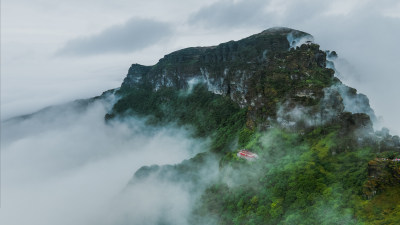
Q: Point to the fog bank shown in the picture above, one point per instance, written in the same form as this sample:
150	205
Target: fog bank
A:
65	165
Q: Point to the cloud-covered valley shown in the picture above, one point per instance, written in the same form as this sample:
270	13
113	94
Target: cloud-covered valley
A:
66	165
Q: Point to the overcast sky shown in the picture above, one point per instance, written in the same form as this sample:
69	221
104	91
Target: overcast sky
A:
57	51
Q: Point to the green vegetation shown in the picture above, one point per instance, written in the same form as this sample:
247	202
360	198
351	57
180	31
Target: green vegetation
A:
209	114
318	176
383	209
296	180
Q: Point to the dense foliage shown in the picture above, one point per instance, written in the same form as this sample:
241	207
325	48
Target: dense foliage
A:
209	114
298	179
295	181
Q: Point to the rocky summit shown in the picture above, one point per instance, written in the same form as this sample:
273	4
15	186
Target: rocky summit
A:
274	95
277	66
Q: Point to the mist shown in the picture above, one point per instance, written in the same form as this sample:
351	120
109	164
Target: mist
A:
66	165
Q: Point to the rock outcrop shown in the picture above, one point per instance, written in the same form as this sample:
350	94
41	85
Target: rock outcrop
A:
382	173
257	72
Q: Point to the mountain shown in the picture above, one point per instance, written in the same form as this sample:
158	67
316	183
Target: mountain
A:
317	158
256	73
274	93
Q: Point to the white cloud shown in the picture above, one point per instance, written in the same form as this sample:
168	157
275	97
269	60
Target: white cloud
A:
133	35
231	14
65	165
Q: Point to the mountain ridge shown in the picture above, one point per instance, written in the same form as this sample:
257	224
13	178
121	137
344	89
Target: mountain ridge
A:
238	68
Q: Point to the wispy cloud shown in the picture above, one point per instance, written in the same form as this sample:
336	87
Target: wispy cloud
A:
229	13
68	154
136	34
255	13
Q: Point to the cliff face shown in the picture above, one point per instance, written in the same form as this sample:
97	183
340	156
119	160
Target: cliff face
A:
225	68
383	173
262	72
212	63
279	76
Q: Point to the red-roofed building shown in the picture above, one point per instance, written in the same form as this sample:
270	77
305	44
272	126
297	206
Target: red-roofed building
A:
246	154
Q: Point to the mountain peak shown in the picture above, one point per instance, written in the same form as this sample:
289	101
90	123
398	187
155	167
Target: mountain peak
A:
187	63
277	69
282	31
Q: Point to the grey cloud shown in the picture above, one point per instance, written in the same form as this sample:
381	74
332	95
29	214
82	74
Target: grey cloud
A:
230	14
303	11
253	13
134	35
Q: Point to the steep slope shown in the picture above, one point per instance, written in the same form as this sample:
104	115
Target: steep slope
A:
256	72
275	94
270	76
